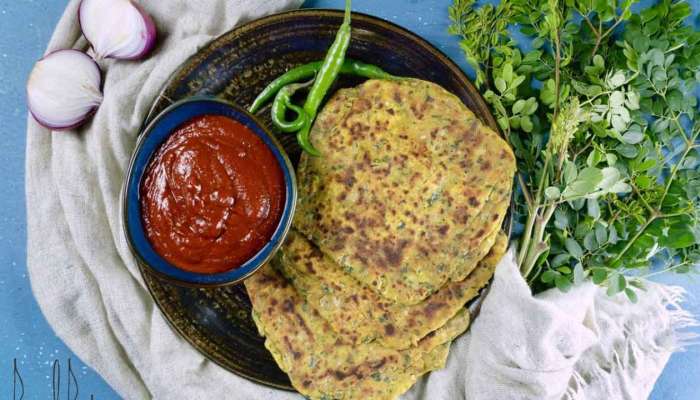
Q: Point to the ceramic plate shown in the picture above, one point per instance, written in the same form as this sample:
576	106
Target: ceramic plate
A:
236	67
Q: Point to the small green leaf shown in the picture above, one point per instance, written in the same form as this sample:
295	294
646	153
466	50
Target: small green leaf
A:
646	165
631	294
531	106
616	80
599	275
627	150
526	124
560	259
617	99
518	106
503	122
500	85
601	234
573	248
633	137
611	176
643	181
507	72
594	157
570	172
632	101
564	270
591	176
620	188
598	61
548	276
589	241
517	81
552	193
618	123
593	208
562	283
615	284
561	220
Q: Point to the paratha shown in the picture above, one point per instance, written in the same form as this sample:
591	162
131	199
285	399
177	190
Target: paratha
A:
322	365
410	190
360	315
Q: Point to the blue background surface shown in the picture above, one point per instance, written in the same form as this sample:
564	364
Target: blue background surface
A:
25	28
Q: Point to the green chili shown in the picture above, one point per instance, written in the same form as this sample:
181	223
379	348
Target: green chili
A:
304	138
369	71
350	67
325	78
283	102
295	74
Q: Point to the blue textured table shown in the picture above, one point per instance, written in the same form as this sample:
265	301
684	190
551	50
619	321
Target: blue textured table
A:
25	27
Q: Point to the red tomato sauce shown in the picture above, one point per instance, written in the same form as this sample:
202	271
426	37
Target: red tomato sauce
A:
212	196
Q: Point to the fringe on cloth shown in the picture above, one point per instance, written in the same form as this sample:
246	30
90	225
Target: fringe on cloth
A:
626	352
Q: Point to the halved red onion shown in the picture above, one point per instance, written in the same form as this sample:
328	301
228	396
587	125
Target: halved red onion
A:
117	28
64	89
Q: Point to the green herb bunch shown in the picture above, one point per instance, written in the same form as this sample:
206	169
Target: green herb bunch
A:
603	119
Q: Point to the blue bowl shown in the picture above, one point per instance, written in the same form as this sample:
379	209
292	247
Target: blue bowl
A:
155	134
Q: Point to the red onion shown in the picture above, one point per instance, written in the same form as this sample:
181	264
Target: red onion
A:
64	89
118	29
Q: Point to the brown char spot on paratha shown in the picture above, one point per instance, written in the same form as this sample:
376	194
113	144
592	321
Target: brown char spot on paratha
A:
288	306
393	253
389	329
360	105
297	355
461	215
347	178
431	308
310	267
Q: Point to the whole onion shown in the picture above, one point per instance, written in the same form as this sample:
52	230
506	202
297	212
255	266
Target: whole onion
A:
118	29
64	89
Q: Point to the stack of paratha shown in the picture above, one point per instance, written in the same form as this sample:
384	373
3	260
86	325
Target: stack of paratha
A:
397	227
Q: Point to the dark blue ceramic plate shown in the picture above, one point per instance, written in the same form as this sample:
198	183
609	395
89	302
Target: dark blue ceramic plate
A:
236	67
151	139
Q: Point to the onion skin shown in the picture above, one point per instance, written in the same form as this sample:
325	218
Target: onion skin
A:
149	38
71	123
151	34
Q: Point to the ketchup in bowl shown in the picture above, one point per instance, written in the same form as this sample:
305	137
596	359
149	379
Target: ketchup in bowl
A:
212	195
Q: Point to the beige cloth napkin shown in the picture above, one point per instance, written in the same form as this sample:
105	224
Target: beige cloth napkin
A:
579	344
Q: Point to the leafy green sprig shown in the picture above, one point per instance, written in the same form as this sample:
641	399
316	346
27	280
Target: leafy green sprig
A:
603	120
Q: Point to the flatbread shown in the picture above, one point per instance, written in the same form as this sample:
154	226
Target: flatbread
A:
360	315
320	364
410	190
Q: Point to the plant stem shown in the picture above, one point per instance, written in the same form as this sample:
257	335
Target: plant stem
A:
527	234
538	245
676	167
669	269
636	236
526	193
557	72
644	201
599	38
